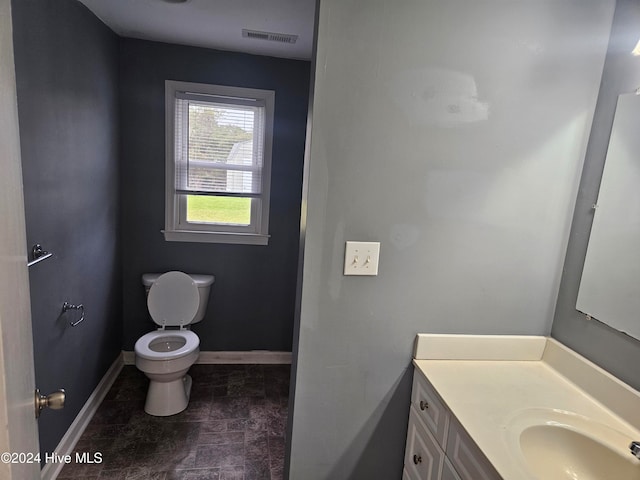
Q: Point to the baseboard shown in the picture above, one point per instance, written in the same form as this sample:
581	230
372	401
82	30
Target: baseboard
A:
253	357
258	357
74	432
129	357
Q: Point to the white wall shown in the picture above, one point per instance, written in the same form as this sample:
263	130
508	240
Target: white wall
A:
453	132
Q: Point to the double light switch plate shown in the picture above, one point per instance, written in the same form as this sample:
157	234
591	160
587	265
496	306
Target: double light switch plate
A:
361	258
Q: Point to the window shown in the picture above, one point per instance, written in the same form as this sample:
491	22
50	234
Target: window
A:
218	163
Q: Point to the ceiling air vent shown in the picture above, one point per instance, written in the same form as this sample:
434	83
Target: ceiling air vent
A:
272	37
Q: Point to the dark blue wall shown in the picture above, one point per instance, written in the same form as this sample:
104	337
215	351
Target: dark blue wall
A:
252	301
66	67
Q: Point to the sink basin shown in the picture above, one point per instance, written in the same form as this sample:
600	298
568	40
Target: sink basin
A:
558	452
556	445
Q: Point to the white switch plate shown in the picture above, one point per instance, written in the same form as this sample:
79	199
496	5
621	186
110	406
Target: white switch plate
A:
361	258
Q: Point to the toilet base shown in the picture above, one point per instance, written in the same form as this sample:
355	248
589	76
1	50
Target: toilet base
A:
168	398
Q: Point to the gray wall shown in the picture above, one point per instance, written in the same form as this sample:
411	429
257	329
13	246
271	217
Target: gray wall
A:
610	349
66	68
252	302
453	133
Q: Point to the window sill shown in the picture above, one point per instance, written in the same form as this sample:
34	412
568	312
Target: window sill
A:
215	237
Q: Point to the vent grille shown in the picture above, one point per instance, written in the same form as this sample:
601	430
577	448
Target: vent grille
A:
272	37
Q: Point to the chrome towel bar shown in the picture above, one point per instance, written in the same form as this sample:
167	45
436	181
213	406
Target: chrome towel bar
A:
38	254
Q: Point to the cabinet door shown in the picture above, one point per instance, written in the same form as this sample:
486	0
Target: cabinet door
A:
448	472
467	459
423	457
430	408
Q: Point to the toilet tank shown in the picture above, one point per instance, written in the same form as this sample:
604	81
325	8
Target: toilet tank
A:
203	282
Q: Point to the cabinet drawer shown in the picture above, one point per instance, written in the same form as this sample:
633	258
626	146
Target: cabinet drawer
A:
448	472
430	408
467	459
422	457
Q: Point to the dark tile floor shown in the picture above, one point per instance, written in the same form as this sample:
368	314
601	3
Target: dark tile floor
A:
233	429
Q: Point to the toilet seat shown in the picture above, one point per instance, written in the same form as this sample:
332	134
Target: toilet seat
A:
143	345
173	300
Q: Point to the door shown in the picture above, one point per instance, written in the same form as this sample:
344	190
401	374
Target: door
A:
18	427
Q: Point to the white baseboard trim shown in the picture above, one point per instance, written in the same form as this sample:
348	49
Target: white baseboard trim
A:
129	357
51	470
259	357
254	356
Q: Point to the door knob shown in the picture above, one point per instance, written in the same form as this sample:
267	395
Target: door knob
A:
54	400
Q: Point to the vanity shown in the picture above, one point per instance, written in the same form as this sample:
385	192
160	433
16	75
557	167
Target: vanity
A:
516	408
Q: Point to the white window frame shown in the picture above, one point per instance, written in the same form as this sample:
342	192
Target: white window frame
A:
176	226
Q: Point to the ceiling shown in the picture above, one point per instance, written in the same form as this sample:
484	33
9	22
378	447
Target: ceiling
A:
213	23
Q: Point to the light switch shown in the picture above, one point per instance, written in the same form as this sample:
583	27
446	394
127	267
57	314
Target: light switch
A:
361	258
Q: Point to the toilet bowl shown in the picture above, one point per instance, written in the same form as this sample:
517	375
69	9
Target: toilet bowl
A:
175	300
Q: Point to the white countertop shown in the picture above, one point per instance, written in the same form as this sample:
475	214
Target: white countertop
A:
487	396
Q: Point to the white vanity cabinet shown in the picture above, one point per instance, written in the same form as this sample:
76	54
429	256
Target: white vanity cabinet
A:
448	472
437	446
423	457
474	398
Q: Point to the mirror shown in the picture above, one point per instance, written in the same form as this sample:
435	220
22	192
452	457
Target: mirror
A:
610	285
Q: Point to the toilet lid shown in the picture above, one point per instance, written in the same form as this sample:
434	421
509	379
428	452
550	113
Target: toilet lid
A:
173	299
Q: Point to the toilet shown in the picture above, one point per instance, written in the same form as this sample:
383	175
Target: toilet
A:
175	301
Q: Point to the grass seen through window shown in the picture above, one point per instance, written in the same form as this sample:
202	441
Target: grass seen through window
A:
227	210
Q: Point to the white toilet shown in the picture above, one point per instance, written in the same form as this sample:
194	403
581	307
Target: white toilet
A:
175	301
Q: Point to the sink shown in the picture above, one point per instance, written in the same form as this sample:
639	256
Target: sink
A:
558	452
558	445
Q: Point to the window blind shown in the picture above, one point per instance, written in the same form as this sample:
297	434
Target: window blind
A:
218	145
